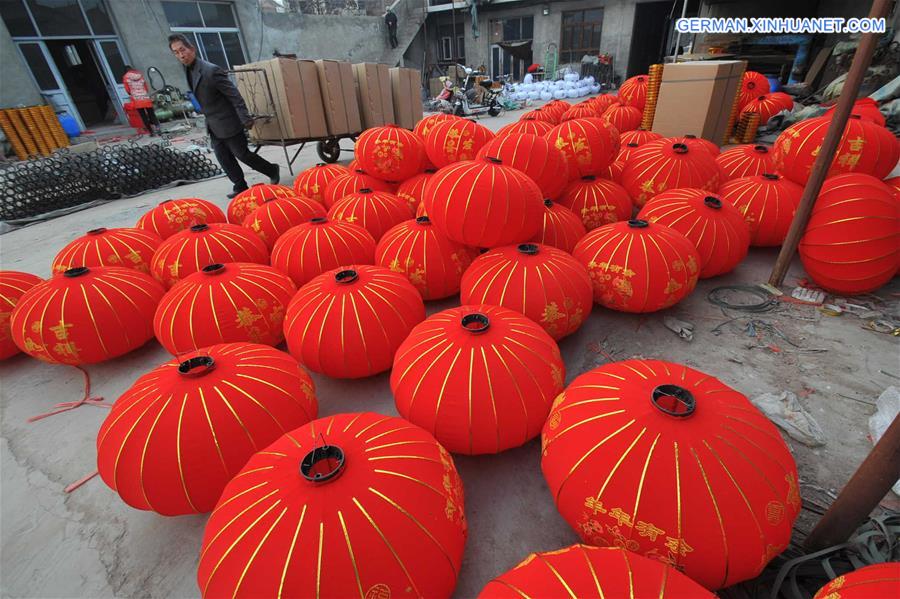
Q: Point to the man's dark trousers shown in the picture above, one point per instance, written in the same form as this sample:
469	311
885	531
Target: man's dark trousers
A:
231	149
392	31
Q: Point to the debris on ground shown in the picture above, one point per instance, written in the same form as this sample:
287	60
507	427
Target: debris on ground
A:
887	409
789	415
810	296
682	328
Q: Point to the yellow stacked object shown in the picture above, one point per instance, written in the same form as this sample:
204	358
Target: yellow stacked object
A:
33	131
746	129
731	130
653	82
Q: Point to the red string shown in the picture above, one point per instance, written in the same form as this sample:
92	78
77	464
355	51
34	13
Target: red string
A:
81	481
71	405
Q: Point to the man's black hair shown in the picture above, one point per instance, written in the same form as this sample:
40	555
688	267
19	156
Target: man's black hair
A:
180	37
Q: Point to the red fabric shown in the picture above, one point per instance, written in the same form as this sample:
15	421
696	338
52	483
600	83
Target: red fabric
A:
894	184
625	152
865	108
590	145
352	182
870	582
713	493
129	248
592	573
753	85
604	101
95	315
545	114
579	111
715	227
533	156
426	124
274	217
172	441
550	287
597	201
768	105
456	140
190	250
639	269
633	92
226	303
390	153
562	228
391	524
662	164
852	242
172	216
696	143
613	172
306	251
313	181
555	107
745	161
526	127
638	136
768	203
483	203
359	323
410	191
477	392
12	286
249	200
136	87
376	211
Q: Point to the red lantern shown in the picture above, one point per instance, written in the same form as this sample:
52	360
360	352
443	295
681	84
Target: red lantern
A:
411	190
274	217
249	200
224	303
554	107
187	252
333	509
482	203
579	111
864	148
865	108
526	127
637	266
175	438
633	92
480	378
544	283
894	184
716	228
425	125
12	286
431	262
613	172
86	315
768	105
745	161
172	216
306	251
390	153
548	115
852	242
344	185
597	201
768	203
662	164
753	85
602	102
534	156
312	182
376	211
696	143
562	228
871	582
623	118
453	141
347	323
590	145
639	136
585	571
670	463
128	248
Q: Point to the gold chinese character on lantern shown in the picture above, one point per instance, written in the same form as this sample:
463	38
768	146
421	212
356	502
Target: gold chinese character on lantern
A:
61	331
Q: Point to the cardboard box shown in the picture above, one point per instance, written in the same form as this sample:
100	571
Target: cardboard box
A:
696	98
339	97
373	91
295	109
406	86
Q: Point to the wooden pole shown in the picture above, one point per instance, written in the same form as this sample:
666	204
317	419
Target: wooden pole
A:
858	69
868	486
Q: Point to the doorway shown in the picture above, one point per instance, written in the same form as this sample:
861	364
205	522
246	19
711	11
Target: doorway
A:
83	78
651	19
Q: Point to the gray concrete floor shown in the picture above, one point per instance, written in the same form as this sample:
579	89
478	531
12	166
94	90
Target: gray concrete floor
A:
90	544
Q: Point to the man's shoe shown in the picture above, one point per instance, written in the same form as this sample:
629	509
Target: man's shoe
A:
231	195
276	178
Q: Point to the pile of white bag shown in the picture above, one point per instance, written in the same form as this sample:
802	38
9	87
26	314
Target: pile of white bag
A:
570	86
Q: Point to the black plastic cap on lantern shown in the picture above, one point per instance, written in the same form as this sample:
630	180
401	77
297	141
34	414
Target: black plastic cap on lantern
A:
494	160
97	231
213	269
589	178
196	366
638	224
430	171
529	249
673	400
319	220
631	144
345	277
475	322
323	464
680	148
423	220
771	176
548	203
76	272
366	190
761	149
198	228
713	202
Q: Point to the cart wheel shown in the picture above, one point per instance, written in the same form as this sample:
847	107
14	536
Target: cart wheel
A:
329	150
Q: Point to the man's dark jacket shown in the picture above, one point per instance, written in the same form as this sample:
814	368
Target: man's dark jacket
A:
219	99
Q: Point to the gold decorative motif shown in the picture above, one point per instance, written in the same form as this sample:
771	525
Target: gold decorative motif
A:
621	517
61	331
692	265
837	583
848	160
556	373
595	505
678	546
793	494
646	529
774	512
619	540
67	349
672	286
388	154
554	421
856	144
379	591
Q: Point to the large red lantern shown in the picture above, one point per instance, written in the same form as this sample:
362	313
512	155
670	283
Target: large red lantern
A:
224	303
637	266
768	203
592	572
877	581
125	247
662	164
590	145
768	105
753	85
344	185
431	262
312	182
347	323
172	216
894	184
526	127
745	161
555	107
390	152
86	315
352	505
483	203
604	101
716	228
175	438
306	251
452	141
579	111
638	136
864	108
12	286
250	199
187	252
562	228
697	143
411	190
852	242
544	283
597	201
671	463
622	117
546	114
375	211
534	156
426	124
633	92
274	217
480	378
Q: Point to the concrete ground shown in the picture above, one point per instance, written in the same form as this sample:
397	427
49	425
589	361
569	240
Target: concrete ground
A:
90	544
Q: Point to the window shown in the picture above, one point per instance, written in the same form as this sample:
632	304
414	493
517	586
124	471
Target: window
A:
114	58
213	26
518	28
217	15
580	34
58	17
37	63
98	17
460	46
446	48
16	18
182	14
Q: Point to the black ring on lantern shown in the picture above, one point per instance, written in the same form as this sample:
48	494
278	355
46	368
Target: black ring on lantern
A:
529	249
680	148
196	366
423	220
332	455
76	272
771	176
97	231
638	224
475	322
761	149
713	202
673	400
213	269
345	277
200	227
